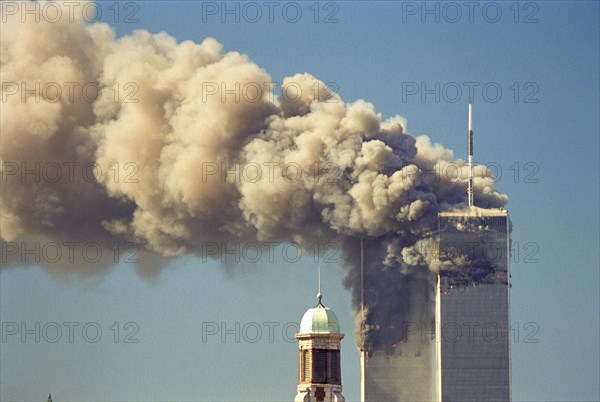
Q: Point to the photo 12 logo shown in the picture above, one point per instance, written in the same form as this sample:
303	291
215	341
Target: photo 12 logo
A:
249	332
253	252
452	12
124	12
67	172
74	253
251	92
454	171
471	332
526	252
453	92
69	92
69	332
253	12
253	172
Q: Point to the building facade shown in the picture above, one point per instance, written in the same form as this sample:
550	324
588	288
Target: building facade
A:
403	370
472	307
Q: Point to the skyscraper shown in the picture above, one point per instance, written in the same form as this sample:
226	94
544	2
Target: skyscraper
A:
472	307
397	353
472	301
402	371
469	359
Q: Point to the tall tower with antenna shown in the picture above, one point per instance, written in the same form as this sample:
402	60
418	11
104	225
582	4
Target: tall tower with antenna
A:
472	306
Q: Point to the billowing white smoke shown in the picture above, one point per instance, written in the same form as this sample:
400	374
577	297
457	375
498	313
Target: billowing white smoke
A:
179	162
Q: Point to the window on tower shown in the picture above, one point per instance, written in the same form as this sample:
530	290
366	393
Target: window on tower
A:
306	365
333	367
320	365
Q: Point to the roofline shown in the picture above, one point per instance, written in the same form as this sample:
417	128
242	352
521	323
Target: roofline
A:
313	335
479	212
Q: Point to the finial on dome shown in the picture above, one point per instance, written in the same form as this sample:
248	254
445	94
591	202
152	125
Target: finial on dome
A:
319	295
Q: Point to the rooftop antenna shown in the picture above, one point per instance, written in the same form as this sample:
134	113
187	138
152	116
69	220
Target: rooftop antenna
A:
362	296
470	159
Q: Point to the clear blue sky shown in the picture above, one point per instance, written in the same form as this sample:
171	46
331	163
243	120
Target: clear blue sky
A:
548	152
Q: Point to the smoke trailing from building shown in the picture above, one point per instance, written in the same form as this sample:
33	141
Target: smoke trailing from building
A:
162	130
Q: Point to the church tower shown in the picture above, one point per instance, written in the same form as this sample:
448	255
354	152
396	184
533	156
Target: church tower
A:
320	375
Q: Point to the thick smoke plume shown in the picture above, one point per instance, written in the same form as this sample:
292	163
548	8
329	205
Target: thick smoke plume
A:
163	135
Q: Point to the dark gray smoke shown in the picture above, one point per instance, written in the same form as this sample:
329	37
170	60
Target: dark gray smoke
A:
165	161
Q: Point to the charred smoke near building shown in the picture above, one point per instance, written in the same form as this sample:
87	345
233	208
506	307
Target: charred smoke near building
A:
310	167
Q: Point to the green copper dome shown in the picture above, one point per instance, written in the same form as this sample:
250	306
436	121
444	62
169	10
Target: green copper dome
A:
319	320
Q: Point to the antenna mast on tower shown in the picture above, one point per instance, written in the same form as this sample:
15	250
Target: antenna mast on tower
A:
470	159
362	290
